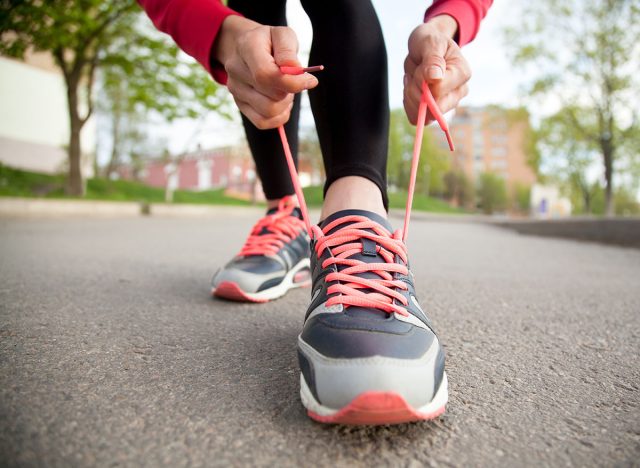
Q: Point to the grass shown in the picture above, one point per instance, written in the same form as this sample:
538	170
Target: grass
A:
423	203
313	195
17	183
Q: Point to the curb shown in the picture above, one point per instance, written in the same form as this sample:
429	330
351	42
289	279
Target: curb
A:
624	232
13	207
36	208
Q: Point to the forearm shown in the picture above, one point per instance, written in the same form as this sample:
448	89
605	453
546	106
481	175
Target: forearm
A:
193	24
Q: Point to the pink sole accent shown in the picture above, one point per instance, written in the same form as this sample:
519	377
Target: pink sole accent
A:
230	290
303	276
376	408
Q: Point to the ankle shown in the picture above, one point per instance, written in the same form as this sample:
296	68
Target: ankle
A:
353	193
273	203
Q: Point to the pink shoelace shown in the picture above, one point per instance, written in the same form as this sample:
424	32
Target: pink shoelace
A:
351	290
270	233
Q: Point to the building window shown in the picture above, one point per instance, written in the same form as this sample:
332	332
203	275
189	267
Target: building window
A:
499	124
204	173
499	139
499	151
236	173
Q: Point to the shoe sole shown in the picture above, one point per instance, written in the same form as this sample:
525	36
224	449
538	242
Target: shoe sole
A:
298	277
375	408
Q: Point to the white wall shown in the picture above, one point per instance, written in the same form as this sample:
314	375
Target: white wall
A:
34	124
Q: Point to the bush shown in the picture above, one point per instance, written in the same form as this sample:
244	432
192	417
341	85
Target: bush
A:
522	198
492	193
625	203
459	189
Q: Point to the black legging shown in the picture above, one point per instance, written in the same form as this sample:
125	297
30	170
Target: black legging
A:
350	105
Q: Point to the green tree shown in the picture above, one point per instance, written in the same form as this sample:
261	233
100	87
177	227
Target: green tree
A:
434	161
568	158
492	193
626	203
86	36
522	198
586	55
459	189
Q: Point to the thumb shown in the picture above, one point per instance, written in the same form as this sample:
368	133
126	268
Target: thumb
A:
434	61
285	46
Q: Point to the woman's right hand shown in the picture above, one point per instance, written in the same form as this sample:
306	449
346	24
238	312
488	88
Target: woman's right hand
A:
252	55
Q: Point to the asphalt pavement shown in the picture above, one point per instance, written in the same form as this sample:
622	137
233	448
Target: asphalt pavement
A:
112	353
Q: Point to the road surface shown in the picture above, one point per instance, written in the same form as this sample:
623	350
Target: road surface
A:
112	353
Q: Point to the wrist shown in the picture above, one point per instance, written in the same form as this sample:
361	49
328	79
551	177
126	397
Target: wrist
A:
232	28
444	24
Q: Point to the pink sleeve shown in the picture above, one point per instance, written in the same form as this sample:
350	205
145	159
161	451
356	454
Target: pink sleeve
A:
193	25
468	14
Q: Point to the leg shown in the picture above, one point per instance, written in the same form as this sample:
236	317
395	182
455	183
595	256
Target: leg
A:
265	145
367	351
351	103
275	256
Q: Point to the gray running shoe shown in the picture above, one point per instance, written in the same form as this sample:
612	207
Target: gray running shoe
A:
368	353
273	260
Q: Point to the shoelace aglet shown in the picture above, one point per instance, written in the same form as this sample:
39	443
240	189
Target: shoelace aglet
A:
436	113
288	70
449	140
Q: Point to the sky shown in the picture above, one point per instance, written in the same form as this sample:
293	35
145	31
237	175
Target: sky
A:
493	81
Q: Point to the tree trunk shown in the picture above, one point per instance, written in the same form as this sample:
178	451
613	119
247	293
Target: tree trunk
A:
75	186
586	198
608	175
115	150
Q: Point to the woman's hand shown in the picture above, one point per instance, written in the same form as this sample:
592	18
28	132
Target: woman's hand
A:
435	58
252	55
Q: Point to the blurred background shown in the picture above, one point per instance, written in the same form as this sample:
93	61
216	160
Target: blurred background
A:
97	104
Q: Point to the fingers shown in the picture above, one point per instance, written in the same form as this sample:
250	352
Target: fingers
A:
262	92
456	74
435	58
261	122
262	104
285	46
433	62
413	95
429	50
255	50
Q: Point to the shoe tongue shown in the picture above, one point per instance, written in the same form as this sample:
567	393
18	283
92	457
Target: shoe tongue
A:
367	214
296	212
367	254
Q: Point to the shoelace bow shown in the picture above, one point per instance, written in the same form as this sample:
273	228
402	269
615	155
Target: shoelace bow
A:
271	233
353	290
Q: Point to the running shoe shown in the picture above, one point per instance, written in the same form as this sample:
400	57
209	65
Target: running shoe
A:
368	353
273	260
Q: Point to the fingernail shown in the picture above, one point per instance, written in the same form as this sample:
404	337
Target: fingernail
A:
435	73
406	80
311	83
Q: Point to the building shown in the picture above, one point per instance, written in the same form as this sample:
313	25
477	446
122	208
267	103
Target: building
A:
490	139
230	168
34	122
